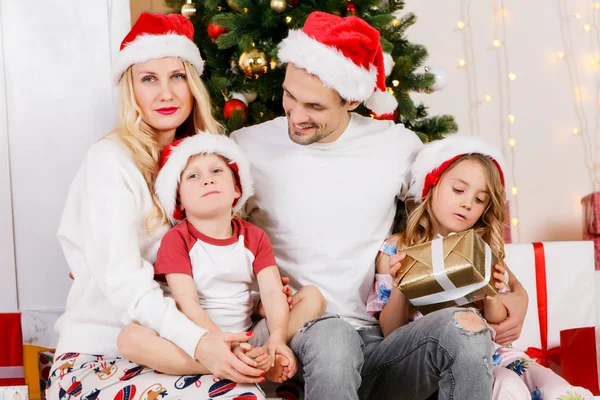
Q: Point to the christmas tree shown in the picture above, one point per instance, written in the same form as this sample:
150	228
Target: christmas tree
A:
238	40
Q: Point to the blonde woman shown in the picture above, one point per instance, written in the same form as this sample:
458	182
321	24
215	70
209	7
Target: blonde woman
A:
111	229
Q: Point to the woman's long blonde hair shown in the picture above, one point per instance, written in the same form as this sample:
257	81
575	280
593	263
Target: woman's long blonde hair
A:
421	224
142	140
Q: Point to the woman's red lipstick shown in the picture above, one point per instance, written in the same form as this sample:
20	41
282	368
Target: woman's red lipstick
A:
166	110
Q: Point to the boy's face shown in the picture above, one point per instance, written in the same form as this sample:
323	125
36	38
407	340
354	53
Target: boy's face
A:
460	198
207	188
314	113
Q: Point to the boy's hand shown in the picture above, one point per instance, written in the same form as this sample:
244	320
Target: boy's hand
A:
283	361
395	265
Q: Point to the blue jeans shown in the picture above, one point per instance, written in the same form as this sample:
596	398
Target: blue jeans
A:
433	353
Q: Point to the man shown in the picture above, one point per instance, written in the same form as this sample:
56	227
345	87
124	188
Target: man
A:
326	195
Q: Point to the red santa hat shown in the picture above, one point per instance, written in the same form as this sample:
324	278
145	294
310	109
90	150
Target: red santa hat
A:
157	36
175	156
345	54
435	158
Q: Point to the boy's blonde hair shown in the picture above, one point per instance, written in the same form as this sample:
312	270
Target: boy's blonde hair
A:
142	140
421	224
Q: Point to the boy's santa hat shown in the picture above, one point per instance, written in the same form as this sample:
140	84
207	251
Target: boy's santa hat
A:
175	156
435	158
157	36
345	54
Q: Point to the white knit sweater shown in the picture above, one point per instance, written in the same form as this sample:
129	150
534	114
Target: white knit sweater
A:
105	243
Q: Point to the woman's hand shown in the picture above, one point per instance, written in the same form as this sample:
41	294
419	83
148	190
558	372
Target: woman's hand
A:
214	352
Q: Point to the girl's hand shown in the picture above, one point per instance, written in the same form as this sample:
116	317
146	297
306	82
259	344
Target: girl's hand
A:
499	276
395	265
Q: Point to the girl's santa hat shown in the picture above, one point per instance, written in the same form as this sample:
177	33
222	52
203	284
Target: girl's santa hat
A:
157	36
345	54
435	158
175	156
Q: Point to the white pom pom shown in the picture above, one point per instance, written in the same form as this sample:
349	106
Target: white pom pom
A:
388	63
381	102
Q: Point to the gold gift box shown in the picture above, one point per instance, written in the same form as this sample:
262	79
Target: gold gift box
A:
447	272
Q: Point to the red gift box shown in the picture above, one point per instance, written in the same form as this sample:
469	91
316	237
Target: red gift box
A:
591	222
11	350
580	356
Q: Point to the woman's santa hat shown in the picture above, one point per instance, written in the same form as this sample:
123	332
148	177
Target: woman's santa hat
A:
345	54
437	156
175	156
157	36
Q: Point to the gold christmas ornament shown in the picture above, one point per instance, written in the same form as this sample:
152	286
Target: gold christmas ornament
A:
233	5
253	63
278	5
189	9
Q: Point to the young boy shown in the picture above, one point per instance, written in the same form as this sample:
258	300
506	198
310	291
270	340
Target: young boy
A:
212	261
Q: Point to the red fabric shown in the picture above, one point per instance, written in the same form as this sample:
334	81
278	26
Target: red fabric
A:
579	362
351	36
11	347
544	353
158	24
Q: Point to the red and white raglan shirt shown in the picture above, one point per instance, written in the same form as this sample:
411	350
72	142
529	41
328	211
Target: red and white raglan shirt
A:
224	270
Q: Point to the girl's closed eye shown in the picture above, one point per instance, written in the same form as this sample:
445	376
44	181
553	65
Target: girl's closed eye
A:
459	191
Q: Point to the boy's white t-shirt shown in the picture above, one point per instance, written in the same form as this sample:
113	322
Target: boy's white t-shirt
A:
224	270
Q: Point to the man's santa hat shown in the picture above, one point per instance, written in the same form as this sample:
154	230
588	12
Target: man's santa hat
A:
175	156
345	54
157	36
437	156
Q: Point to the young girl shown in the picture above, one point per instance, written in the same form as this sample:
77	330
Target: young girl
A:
458	184
212	261
111	227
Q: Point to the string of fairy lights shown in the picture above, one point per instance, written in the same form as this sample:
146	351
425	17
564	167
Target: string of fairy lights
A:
570	58
505	80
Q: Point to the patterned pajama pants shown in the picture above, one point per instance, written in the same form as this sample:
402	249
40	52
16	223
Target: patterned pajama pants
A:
517	377
89	377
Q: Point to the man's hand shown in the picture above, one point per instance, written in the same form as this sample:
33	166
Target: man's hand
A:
510	329
286	290
214	352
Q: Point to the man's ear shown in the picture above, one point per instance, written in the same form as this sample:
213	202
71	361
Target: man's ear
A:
351	105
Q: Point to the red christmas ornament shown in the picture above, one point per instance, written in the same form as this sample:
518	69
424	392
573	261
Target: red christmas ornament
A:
350	8
232	105
214	31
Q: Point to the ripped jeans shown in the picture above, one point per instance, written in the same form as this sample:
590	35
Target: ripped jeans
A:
432	353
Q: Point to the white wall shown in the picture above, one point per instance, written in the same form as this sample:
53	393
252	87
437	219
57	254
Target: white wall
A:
549	164
56	99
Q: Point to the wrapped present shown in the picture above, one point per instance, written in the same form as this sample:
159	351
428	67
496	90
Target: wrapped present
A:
559	278
591	222
11	350
451	271
580	353
14	393
37	361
